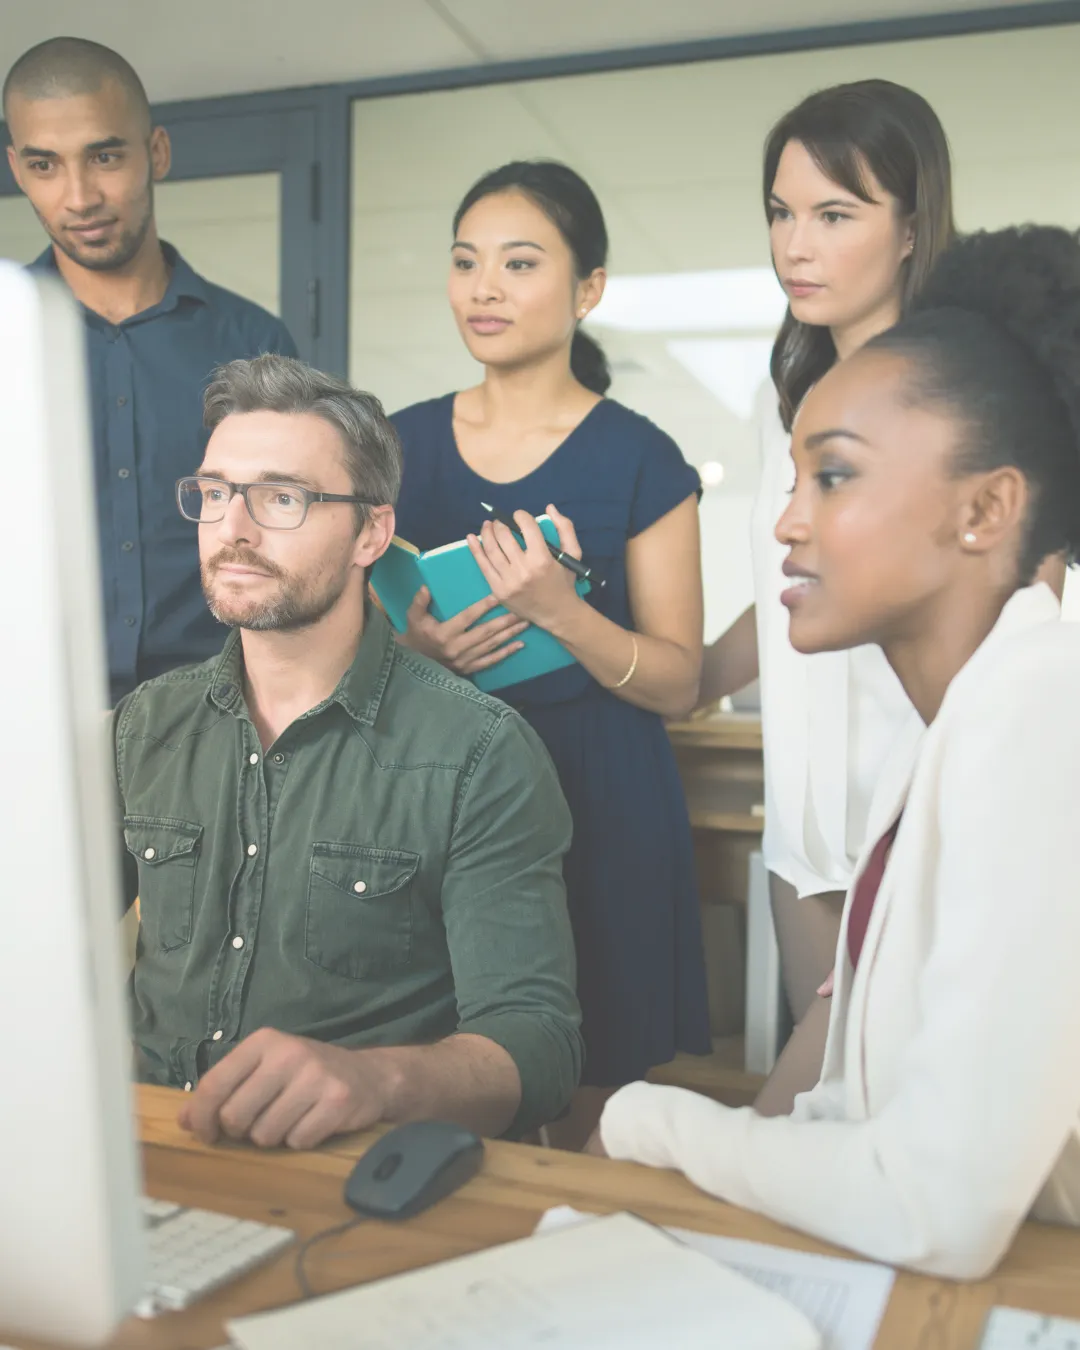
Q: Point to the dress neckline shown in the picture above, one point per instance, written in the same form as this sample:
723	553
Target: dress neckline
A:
525	478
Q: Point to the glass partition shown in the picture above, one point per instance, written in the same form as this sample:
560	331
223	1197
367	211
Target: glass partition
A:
228	229
674	155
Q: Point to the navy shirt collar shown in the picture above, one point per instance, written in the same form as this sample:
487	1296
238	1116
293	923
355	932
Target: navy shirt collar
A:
184	283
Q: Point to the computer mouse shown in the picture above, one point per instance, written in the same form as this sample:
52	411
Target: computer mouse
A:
412	1167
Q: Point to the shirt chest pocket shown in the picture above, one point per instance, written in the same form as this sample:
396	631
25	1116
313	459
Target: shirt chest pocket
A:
360	909
167	852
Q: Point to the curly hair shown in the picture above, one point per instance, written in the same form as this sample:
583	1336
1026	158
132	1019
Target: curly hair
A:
994	336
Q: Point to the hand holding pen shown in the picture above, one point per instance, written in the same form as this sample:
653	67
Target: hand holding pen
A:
525	572
568	560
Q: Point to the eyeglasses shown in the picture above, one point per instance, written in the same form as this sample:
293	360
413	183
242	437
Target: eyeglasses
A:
274	506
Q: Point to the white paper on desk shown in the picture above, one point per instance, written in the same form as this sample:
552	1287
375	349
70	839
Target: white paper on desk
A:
845	1300
616	1283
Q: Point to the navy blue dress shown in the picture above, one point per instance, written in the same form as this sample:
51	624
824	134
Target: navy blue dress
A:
630	870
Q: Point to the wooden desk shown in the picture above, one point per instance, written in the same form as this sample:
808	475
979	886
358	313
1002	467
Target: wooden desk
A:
516	1185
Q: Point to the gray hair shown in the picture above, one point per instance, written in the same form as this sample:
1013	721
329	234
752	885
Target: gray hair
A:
62	66
281	384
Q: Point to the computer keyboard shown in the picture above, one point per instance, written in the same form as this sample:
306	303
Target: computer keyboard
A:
193	1251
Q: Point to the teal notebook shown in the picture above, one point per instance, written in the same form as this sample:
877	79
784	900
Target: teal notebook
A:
455	581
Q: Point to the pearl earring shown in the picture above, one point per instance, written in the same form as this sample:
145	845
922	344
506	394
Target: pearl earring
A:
969	538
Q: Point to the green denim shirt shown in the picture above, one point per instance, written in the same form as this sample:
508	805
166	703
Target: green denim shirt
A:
389	872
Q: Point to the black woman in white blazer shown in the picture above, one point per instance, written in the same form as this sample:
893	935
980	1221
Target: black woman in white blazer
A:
936	469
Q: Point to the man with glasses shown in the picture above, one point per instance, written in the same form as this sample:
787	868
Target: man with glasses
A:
87	155
349	861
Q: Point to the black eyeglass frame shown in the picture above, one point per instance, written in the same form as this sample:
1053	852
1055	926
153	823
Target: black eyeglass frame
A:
243	489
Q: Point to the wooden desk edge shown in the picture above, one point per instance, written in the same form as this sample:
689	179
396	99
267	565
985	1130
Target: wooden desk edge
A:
516	1185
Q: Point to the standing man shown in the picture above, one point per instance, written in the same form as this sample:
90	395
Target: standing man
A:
86	154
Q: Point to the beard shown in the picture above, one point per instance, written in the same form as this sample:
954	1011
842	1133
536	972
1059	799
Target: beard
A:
300	601
117	252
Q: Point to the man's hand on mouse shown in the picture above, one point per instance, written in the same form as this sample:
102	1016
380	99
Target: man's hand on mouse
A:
279	1089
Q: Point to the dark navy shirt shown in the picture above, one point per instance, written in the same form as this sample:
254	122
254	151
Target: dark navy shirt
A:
147	377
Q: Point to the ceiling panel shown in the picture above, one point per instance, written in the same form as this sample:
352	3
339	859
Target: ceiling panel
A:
210	47
207	47
508	29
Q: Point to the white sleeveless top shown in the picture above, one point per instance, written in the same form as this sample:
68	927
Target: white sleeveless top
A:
829	721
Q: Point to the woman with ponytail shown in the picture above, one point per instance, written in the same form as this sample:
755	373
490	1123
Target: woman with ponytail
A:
934	470
538	435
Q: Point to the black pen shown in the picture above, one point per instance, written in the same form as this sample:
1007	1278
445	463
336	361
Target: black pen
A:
568	561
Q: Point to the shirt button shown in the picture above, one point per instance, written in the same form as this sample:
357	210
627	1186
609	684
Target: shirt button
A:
130	620
187	1087
253	759
120	402
360	887
217	1035
123	473
238	942
127	545
149	853
279	758
252	850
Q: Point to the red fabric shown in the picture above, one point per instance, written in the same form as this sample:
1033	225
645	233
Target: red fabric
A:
866	892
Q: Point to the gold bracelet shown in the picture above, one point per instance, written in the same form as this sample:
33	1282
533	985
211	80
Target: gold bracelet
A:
633	666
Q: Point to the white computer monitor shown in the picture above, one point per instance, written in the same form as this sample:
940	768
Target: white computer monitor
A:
71	1249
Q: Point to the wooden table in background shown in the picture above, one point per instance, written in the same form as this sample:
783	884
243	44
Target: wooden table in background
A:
720	762
720	765
516	1185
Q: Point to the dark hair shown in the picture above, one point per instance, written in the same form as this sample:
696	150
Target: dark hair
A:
62	66
995	338
893	132
571	206
282	384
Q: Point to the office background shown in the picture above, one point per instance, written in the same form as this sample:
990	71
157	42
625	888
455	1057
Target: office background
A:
319	160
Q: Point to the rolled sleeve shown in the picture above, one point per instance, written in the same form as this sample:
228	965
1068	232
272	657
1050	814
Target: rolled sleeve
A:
507	925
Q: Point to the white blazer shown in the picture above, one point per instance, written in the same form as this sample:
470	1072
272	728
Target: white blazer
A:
949	1103
829	720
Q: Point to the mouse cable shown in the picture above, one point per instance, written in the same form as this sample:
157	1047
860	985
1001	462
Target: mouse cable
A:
305	1247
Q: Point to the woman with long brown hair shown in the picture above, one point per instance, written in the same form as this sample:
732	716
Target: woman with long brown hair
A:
858	197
